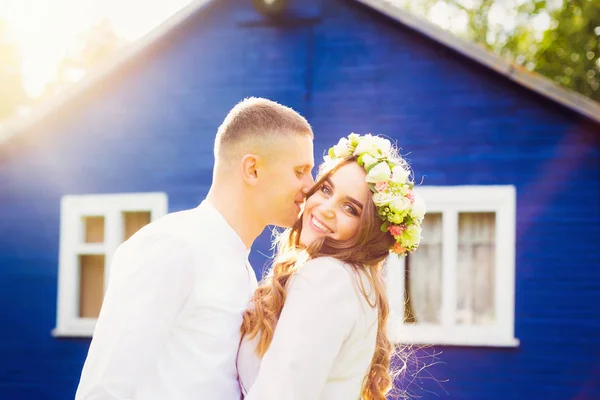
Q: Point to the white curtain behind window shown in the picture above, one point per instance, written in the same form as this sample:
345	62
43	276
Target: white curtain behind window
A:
476	268
424	274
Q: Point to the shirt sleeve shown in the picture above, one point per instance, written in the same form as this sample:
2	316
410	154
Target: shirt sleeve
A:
150	281
317	317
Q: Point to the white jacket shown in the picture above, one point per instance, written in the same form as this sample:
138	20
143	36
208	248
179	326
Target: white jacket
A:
323	343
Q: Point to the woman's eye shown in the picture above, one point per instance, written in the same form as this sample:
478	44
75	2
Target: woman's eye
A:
325	189
350	209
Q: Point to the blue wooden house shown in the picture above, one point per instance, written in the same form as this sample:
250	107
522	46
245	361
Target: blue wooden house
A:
506	285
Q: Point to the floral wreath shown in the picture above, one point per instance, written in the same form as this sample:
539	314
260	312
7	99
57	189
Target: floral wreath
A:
388	175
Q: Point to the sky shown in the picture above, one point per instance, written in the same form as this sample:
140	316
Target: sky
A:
45	30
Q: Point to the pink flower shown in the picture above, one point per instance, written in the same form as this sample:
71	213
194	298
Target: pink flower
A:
395	230
398	248
381	186
411	196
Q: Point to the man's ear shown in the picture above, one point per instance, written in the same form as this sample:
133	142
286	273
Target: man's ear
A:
249	168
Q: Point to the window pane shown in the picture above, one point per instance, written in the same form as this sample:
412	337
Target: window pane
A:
94	229
476	268
424	274
134	221
91	285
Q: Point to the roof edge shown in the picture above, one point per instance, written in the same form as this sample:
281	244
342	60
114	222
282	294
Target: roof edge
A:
530	80
18	124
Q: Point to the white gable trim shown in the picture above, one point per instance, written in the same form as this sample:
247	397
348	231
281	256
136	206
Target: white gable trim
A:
530	80
18	124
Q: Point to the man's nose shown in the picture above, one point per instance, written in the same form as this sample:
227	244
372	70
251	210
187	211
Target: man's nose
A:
309	182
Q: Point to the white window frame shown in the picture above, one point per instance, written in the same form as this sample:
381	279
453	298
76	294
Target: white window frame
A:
72	230
450	201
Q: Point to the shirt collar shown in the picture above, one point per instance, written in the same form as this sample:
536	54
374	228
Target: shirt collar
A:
223	228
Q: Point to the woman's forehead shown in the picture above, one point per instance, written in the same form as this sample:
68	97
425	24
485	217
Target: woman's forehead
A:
350	179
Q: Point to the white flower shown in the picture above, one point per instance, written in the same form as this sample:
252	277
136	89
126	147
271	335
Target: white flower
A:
418	208
399	174
342	149
368	160
353	138
382	199
400	205
384	145
379	173
368	144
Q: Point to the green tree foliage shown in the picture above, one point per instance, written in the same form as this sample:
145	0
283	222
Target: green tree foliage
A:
569	53
566	50
12	94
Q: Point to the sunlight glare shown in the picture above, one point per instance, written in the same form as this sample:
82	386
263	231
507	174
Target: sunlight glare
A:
440	15
541	22
502	16
47	31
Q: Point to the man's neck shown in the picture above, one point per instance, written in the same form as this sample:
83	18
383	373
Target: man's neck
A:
229	203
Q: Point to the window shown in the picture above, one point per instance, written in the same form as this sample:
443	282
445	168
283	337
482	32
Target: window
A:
91	229
458	287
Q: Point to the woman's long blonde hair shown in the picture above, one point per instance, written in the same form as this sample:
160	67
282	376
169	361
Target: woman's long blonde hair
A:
366	252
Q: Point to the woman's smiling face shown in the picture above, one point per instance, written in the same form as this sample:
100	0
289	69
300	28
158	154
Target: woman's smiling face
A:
335	209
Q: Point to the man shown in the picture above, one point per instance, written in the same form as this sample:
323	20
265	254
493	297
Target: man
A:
169	327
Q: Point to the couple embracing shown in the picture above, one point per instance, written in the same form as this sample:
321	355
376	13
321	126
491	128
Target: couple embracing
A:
183	316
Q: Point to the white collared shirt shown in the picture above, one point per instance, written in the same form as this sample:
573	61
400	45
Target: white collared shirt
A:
169	327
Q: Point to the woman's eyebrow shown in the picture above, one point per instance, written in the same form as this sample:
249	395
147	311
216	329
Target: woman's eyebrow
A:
352	199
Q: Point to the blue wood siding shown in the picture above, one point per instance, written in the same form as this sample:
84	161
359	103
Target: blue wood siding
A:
150	127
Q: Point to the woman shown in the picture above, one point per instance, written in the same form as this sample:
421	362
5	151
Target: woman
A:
316	326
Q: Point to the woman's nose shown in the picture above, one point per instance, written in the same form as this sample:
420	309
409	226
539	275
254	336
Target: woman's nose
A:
328	210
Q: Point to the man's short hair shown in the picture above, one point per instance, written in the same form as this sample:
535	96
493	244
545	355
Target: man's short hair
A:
254	119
